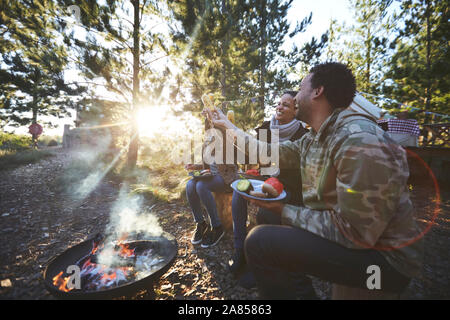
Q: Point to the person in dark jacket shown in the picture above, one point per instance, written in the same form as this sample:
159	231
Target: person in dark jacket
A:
289	129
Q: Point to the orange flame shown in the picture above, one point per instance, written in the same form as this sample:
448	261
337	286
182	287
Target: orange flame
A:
108	277
124	248
61	283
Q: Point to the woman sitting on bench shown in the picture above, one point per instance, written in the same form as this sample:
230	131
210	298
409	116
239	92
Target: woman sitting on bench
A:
199	191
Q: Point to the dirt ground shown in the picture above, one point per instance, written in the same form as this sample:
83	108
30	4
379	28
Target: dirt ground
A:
38	221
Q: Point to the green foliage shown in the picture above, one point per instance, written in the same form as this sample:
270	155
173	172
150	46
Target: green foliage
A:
419	69
155	178
233	49
14	142
364	44
400	56
33	61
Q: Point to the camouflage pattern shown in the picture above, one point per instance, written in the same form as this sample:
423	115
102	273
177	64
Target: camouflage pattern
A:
355	189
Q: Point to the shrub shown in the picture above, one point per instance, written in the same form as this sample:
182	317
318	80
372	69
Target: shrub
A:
52	143
14	142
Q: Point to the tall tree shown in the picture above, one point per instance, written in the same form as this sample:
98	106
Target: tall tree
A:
365	43
421	64
215	56
234	49
120	52
268	20
33	63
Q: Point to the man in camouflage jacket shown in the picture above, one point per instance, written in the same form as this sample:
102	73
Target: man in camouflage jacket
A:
357	212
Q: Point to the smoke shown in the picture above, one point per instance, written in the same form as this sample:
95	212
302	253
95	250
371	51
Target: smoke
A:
128	220
128	217
87	169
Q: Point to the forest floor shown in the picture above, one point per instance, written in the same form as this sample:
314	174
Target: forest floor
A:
38	221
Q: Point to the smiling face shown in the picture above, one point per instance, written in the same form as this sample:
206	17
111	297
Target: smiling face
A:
303	101
285	111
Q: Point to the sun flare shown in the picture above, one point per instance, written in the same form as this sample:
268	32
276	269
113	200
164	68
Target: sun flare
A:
154	120
151	120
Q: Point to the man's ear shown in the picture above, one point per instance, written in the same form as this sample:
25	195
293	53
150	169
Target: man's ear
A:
317	92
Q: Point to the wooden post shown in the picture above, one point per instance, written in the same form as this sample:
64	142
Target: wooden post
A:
223	204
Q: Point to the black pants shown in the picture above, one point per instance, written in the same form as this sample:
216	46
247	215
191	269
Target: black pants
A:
282	256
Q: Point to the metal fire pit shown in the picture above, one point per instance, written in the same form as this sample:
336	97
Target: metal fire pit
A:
165	246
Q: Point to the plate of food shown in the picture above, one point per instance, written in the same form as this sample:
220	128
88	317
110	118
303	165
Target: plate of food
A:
269	190
201	174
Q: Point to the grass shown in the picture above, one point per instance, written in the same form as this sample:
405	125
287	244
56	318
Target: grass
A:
158	178
15	151
13	159
14	142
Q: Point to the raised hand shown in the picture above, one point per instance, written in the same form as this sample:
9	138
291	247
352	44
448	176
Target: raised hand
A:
220	120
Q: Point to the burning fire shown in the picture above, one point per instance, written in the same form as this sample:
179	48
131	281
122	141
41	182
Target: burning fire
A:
125	266
61	283
124	249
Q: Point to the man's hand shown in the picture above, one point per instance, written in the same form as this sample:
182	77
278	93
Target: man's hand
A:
274	206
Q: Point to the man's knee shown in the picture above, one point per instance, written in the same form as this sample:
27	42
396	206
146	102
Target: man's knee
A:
255	238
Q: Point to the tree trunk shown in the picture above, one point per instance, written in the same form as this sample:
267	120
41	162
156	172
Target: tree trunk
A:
262	68
368	59
134	139
224	53
428	88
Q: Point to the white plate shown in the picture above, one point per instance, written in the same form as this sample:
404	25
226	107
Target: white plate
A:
257	185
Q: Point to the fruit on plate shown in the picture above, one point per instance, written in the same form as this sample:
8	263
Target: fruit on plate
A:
252	172
244	185
273	187
196	173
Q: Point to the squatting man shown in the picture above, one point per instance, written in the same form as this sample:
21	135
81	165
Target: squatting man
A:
357	211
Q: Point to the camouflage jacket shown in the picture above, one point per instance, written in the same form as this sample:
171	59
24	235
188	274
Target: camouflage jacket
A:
355	189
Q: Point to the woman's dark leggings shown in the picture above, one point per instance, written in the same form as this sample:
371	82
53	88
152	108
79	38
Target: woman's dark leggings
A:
282	256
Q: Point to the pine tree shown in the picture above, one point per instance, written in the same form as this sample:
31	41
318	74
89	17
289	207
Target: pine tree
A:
233	48
367	48
33	61
121	52
421	64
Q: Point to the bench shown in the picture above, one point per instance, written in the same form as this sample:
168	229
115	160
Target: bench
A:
223	204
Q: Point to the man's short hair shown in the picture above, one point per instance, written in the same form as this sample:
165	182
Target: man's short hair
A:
338	82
